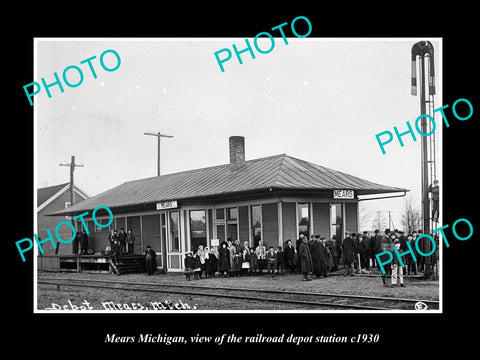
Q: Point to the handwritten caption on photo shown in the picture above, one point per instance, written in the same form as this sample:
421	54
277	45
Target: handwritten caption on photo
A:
116	306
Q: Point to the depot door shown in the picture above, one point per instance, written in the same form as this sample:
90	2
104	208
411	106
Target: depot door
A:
163	236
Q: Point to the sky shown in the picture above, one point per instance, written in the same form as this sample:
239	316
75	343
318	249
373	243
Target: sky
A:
320	100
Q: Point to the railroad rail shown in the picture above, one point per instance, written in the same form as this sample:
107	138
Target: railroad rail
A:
308	299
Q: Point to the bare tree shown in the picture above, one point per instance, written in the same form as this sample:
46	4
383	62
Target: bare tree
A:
411	217
364	217
379	221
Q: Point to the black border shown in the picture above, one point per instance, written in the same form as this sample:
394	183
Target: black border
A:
428	333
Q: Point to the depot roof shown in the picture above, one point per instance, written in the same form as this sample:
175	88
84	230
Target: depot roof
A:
282	172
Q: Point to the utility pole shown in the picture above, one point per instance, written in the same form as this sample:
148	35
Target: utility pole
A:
72	166
158	135
390	221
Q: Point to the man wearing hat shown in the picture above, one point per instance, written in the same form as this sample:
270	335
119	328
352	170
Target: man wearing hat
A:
396	267
386	245
376	246
348	251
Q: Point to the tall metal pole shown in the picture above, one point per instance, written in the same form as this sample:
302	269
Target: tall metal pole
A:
424	49
423	110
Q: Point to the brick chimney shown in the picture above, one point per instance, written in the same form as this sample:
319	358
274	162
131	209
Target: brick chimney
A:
237	152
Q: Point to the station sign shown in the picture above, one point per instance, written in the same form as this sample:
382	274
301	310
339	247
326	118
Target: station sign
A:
164	205
343	194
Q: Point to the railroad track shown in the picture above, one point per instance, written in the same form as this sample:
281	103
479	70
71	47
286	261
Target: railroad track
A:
310	300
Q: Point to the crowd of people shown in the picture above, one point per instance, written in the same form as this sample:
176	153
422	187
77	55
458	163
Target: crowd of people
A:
316	255
121	243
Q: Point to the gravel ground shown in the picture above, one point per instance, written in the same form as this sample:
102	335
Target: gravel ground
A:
357	285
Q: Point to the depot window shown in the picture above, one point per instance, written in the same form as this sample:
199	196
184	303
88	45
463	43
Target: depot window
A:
198	228
303	215
256	211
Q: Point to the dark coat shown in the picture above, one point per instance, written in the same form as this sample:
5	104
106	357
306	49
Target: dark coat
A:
130	238
188	262
112	239
76	243
385	244
223	259
280	257
297	244
372	246
348	249
325	254
319	257
395	258
330	262
197	264
122	237
363	247
415	253
306	258
114	245
378	243
253	260
289	253
317	266
271	258
83	241
212	263
403	243
150	256
337	249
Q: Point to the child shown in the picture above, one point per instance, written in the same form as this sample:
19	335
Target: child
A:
271	260
150	261
201	254
245	262
280	260
396	268
188	265
252	262
212	263
197	266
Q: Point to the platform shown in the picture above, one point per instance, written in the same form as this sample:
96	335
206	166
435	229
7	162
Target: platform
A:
96	263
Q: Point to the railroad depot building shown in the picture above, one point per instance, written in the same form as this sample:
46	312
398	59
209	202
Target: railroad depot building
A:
271	199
